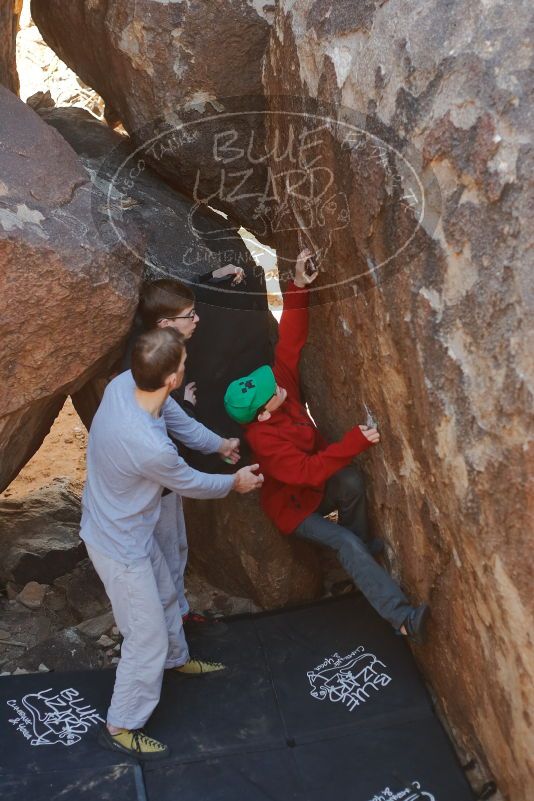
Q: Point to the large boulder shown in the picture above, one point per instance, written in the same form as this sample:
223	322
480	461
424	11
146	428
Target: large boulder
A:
22	628
231	541
68	649
180	241
433	338
234	546
9	23
175	74
39	535
84	592
68	296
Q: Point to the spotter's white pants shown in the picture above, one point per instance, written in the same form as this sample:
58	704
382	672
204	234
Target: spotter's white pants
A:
147	613
171	536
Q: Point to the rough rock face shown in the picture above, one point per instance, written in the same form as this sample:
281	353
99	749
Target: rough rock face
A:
433	341
84	591
233	338
179	241
163	65
68	649
57	275
236	548
39	536
9	22
21	629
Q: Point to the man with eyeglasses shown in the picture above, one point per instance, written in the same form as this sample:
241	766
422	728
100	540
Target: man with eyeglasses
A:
168	303
305	477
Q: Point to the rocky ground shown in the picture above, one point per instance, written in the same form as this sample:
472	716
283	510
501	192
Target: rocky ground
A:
54	613
63	455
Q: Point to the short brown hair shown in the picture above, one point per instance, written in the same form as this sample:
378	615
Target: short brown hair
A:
163	298
156	354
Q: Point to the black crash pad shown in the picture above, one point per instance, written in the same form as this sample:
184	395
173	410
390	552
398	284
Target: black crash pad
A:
118	783
317	703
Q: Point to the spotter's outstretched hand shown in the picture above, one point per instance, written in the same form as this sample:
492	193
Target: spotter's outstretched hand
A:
229	450
245	479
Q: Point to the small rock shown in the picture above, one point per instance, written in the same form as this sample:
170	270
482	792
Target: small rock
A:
43	668
104	641
40	100
85	592
115	660
96	626
20	671
117	647
55	600
4	634
115	631
32	595
12	590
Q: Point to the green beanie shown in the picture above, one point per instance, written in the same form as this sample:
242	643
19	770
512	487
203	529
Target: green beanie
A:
246	395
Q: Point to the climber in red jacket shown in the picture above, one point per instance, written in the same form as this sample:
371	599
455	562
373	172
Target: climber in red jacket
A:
304	477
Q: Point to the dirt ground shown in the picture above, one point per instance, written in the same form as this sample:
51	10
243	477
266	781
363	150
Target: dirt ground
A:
62	454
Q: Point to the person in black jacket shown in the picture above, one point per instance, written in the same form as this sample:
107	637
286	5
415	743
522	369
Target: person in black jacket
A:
169	302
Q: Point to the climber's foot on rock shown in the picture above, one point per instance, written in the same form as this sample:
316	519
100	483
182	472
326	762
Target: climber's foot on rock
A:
375	546
414	627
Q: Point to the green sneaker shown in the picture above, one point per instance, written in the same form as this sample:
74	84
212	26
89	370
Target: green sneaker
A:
198	667
134	742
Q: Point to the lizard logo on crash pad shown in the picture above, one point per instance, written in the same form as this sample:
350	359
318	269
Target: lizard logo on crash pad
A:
411	793
49	717
350	679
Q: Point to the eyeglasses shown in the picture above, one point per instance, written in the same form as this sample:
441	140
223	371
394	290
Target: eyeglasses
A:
264	407
190	316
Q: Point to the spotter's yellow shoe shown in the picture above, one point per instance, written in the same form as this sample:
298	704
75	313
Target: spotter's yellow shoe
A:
198	667
133	742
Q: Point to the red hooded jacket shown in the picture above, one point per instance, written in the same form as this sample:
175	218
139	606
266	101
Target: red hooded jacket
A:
293	456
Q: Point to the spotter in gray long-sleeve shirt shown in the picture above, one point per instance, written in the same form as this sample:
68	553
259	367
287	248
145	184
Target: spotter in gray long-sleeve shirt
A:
129	459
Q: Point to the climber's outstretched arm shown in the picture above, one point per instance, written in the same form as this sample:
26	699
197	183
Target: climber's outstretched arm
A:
293	330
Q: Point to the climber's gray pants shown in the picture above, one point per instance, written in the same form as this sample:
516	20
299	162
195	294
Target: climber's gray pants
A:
373	581
343	492
147	613
171	537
